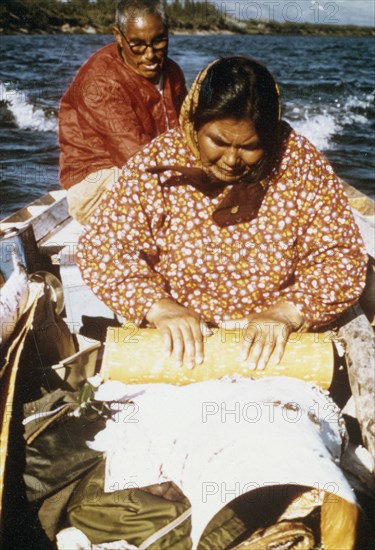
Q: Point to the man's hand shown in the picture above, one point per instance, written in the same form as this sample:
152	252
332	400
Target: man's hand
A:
181	329
266	334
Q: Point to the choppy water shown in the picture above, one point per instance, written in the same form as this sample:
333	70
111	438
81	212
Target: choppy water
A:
327	85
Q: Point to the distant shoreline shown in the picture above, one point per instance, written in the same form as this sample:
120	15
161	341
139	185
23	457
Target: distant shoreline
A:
67	29
343	32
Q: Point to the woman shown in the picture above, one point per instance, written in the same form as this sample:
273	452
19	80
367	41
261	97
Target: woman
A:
232	218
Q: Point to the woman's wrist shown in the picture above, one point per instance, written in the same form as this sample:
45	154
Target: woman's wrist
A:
291	313
159	307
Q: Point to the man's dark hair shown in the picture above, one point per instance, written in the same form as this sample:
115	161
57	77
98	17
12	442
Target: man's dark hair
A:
131	9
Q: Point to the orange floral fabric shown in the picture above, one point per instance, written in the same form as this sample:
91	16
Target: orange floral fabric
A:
147	241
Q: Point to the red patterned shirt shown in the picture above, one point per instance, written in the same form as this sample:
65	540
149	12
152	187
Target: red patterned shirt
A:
146	241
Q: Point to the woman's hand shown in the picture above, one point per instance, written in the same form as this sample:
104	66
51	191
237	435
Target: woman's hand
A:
181	329
266	334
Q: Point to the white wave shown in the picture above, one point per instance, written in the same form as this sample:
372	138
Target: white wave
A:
319	127
26	115
354	108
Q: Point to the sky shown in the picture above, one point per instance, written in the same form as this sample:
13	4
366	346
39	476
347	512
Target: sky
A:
340	12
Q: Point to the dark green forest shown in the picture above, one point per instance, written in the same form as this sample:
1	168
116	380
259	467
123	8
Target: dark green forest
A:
85	16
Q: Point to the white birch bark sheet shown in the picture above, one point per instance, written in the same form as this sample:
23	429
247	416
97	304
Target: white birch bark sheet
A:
222	438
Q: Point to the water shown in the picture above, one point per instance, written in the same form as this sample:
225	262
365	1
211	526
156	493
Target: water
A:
327	85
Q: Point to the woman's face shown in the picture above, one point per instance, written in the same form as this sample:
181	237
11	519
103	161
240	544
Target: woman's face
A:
229	148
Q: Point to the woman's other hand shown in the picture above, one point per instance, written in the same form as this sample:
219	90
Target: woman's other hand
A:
181	329
266	334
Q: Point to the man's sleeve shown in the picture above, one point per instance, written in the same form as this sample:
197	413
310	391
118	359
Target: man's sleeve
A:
109	109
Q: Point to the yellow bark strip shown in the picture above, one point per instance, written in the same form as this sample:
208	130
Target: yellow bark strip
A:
135	356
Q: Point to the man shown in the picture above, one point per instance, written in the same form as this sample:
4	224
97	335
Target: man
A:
124	96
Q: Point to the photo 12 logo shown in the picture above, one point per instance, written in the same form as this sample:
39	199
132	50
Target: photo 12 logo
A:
290	11
265	493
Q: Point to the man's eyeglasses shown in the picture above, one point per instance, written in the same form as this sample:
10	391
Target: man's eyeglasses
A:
139	48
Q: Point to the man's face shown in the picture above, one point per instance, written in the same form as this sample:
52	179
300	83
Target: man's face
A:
139	31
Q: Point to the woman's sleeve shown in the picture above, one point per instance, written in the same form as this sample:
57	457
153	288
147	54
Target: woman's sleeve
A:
331	258
117	249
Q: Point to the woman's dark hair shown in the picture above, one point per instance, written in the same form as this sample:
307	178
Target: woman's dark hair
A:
241	88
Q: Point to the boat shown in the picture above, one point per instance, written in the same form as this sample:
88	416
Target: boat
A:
42	238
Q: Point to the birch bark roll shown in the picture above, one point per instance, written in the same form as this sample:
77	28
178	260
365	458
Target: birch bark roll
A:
135	355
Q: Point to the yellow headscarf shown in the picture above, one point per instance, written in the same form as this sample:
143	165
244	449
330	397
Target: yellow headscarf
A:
191	101
188	108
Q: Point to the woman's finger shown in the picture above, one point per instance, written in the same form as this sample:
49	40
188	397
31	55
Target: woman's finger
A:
167	340
272	350
245	349
189	344
280	339
256	351
265	354
251	335
279	349
178	346
198	340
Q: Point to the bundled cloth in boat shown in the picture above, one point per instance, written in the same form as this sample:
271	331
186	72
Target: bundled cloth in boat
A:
219	441
56	450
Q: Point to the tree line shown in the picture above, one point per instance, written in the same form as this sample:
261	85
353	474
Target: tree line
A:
77	16
51	15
